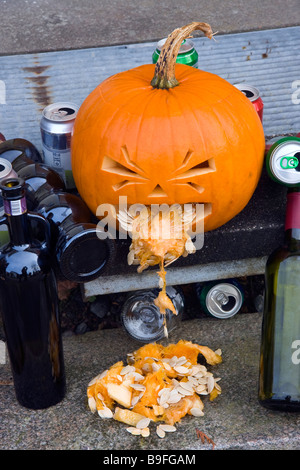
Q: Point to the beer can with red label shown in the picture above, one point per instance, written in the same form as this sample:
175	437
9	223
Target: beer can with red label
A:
253	95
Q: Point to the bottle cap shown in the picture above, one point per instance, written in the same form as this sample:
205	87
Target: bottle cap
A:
12	188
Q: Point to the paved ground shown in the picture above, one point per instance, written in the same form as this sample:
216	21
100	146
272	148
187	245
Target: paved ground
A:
234	421
44	25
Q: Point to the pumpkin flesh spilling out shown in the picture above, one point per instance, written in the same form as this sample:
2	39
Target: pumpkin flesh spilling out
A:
163	384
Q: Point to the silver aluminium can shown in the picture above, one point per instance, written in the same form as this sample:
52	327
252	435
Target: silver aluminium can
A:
224	300
6	169
56	131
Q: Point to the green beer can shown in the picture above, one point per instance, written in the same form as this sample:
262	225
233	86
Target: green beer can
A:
283	161
187	53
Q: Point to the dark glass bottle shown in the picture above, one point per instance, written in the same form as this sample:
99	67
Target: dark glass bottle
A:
142	319
279	378
80	253
19	152
29	306
40	180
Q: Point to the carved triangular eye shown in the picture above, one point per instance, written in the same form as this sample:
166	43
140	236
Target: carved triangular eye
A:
188	170
112	166
129	173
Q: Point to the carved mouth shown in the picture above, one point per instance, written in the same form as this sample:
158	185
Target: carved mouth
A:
120	218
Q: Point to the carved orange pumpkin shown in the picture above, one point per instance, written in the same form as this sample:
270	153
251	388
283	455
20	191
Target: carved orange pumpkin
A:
193	138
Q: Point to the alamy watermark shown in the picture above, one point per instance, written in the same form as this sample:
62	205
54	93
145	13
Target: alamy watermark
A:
296	92
117	223
296	353
2	92
2	352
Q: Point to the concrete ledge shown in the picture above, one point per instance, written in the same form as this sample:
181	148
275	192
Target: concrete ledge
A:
234	421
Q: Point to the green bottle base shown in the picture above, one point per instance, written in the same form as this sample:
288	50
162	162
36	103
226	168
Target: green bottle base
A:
280	405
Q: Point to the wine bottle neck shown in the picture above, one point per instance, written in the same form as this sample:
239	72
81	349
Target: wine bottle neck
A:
292	220
16	212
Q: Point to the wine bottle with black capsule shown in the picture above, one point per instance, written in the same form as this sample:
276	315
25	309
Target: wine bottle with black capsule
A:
29	305
279	376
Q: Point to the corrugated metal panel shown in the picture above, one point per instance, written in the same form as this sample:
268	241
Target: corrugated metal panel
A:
267	59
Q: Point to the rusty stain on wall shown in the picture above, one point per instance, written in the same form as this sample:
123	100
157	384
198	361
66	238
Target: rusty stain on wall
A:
41	91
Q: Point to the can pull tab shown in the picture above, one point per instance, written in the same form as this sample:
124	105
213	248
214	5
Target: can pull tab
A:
289	163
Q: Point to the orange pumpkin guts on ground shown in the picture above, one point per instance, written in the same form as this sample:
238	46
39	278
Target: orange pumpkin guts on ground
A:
159	384
168	134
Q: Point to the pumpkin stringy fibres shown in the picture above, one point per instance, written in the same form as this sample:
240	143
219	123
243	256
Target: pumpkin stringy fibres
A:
160	237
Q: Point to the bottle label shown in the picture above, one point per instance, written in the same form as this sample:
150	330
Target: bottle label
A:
17	207
293	211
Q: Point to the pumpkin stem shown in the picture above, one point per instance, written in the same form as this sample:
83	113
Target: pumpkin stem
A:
164	75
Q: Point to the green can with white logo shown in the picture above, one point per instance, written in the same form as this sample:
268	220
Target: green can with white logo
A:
187	53
283	161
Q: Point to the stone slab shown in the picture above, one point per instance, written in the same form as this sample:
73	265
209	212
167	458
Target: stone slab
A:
234	421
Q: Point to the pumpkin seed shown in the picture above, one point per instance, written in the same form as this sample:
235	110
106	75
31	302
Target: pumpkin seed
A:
135	400
155	367
196	412
163	397
167	427
210	384
186	385
138	377
145	432
127	369
182	360
181	370
143	423
202	380
140	387
160	432
184	392
200	388
134	431
174	397
105	413
92	404
147	368
173	361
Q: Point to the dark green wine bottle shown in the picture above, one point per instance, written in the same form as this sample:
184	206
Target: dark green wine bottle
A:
279	377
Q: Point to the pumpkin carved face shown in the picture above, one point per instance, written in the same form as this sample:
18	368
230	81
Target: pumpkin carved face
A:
200	141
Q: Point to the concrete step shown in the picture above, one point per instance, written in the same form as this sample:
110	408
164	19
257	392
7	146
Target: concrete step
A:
234	421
